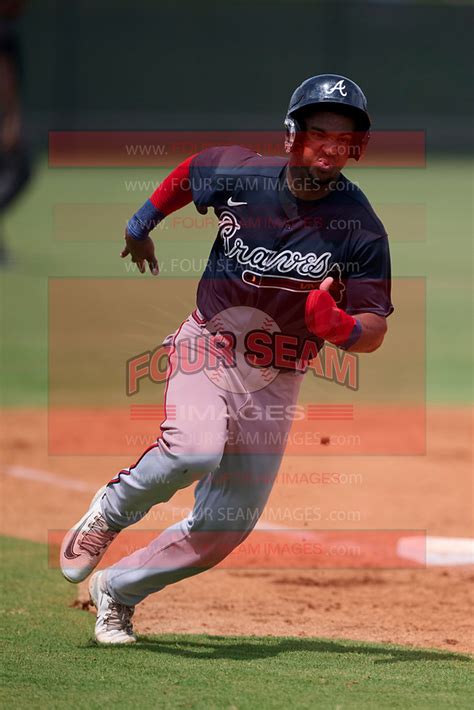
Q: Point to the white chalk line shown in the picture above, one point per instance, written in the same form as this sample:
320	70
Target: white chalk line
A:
52	479
430	550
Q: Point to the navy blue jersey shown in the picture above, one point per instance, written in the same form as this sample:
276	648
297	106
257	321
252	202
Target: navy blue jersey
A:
272	248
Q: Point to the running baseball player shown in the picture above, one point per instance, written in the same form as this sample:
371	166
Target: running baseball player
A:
300	258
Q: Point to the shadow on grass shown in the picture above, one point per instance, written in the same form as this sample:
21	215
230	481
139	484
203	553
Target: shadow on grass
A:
215	647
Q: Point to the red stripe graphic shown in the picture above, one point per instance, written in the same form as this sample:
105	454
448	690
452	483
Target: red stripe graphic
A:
271	549
151	412
87	222
391	149
339	412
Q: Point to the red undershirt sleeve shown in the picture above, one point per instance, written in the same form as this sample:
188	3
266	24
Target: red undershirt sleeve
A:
175	190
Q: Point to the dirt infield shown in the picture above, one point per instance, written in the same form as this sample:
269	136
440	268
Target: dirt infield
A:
416	606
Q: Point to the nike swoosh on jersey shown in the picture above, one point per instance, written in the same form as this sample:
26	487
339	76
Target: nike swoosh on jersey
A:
231	203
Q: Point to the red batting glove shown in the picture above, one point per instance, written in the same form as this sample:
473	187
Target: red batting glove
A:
326	320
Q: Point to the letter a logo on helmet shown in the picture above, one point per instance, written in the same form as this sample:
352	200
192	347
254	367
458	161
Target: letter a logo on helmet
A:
340	86
334	93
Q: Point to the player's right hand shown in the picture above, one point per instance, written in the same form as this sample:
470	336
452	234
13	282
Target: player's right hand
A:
324	318
141	251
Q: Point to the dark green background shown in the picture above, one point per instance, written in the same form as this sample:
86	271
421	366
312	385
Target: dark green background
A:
163	64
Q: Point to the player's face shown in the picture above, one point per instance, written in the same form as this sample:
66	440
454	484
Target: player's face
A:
326	146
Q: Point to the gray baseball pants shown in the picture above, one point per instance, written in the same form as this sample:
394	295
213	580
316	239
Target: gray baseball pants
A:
231	441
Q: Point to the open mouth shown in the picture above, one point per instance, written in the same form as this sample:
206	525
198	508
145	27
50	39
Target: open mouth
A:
323	164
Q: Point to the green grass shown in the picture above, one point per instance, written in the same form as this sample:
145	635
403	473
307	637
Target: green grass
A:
50	661
41	249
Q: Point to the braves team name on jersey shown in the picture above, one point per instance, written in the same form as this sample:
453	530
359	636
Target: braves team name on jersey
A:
272	248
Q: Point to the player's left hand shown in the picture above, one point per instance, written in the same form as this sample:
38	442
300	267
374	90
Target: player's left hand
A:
141	251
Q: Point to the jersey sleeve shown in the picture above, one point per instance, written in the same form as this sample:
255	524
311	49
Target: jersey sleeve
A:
213	172
368	276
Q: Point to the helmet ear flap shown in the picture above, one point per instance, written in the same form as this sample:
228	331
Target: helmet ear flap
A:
292	128
290	134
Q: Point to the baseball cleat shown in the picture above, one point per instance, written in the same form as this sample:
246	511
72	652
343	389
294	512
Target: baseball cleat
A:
86	543
114	620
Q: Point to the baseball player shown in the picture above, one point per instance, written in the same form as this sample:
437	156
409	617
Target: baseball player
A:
300	258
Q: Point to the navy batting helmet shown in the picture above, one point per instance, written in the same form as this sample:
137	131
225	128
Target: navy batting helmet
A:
334	92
